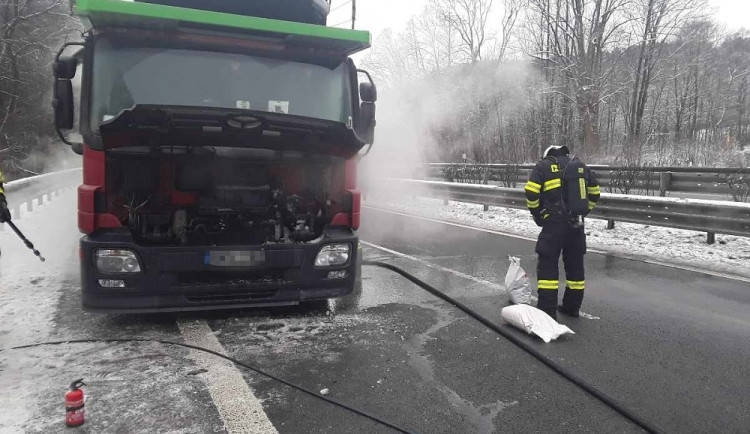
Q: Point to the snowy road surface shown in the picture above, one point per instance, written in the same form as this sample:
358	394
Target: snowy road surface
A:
670	344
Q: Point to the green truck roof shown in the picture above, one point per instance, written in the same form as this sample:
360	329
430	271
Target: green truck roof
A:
122	13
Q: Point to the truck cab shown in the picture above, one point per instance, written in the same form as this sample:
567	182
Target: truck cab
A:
219	153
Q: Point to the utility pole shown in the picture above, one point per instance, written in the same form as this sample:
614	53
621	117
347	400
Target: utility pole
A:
354	12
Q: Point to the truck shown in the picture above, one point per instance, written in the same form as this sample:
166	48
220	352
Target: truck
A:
220	152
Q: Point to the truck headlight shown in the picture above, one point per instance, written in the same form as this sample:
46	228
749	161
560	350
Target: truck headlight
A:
117	262
332	255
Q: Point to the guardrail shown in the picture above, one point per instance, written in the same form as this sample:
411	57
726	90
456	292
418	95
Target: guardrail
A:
613	179
35	190
692	214
707	216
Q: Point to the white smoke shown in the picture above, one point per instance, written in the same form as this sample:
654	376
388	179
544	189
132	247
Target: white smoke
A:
411	115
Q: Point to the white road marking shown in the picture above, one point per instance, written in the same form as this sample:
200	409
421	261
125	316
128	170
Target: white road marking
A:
436	266
239	408
454	272
459	225
637	258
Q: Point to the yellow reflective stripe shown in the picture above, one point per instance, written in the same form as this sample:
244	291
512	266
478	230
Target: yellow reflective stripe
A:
582	183
576	284
594	190
591	205
2	191
532	203
533	187
548	284
552	184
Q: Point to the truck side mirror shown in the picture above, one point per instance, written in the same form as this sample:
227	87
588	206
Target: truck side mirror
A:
65	67
368	92
367	122
77	147
62	102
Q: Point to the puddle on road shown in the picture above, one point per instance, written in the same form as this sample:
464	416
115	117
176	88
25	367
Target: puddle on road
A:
482	417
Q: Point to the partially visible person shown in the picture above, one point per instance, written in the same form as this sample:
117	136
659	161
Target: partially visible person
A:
560	192
4	211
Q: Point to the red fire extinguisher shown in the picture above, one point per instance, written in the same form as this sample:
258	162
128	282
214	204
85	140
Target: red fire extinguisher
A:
75	414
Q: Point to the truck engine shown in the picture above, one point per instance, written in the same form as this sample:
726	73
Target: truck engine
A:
218	197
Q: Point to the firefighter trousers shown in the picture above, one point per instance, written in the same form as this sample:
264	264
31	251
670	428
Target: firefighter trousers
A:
557	237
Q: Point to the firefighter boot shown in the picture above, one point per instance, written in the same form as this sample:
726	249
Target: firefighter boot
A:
571	303
548	302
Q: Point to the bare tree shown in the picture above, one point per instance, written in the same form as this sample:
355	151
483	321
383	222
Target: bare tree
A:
470	20
580	32
656	22
389	59
30	32
511	10
633	81
438	40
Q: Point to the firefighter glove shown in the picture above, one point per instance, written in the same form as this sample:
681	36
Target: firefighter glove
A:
538	219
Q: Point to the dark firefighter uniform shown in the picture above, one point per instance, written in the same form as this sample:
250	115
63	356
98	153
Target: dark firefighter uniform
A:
561	231
4	211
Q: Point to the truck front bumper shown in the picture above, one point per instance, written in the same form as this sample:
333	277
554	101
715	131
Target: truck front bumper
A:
184	279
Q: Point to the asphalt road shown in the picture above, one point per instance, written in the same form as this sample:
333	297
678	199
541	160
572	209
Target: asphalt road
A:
672	345
669	343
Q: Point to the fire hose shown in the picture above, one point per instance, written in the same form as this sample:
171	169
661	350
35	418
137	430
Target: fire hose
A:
556	367
25	240
524	345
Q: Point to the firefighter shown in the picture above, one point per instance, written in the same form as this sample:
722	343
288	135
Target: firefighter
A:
4	211
560	192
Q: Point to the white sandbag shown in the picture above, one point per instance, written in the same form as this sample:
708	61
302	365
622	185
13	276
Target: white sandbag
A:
534	321
517	282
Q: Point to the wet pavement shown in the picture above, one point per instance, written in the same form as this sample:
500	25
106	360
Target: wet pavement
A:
670	344
667	342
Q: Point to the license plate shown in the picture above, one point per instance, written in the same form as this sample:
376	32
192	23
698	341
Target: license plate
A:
236	258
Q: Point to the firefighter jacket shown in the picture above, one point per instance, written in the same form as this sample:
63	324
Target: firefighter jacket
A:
2	192
545	190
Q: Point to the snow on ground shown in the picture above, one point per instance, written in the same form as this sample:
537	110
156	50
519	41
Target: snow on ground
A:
130	387
730	254
27	282
28	296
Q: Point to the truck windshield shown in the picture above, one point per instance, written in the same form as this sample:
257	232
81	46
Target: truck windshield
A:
124	76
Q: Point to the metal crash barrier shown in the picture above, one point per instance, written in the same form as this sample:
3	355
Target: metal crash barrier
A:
692	214
36	190
650	180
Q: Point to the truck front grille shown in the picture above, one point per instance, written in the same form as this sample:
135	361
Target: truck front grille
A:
237	279
231	298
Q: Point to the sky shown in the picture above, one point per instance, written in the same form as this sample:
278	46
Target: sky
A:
377	15
733	13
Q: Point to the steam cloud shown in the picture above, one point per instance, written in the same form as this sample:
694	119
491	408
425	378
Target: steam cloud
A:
413	115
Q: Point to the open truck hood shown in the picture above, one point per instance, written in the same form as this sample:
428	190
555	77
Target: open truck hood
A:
165	126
